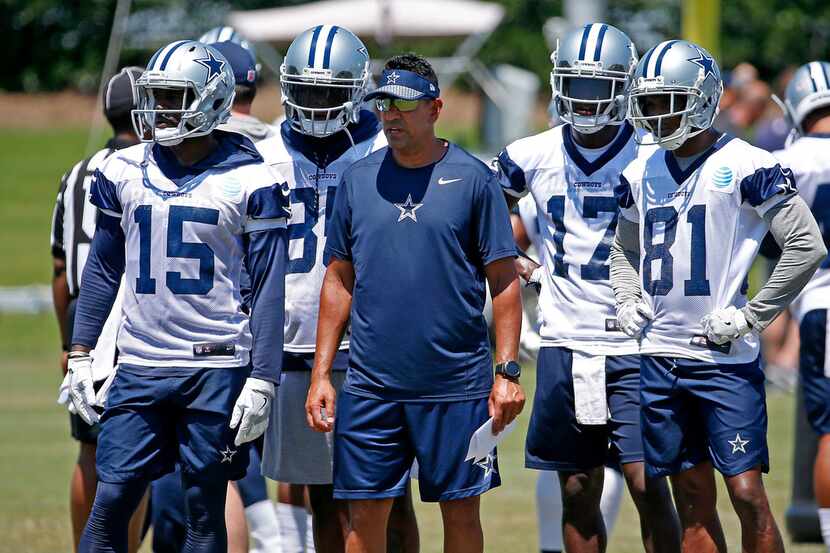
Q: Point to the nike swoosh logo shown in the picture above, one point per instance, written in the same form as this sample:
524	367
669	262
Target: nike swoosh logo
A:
264	403
442	180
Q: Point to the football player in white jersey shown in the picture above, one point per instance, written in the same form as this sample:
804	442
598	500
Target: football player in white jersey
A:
73	225
180	214
693	213
807	105
323	79
587	367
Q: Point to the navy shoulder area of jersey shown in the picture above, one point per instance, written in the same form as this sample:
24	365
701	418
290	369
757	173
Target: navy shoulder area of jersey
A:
523	156
623	193
104	195
269	202
758	174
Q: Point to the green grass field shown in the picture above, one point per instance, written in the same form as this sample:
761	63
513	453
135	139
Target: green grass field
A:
37	453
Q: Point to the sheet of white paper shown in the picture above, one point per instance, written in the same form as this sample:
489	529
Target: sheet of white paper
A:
484	441
481	444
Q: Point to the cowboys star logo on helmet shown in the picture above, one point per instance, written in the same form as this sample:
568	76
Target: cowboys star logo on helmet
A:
323	80
186	91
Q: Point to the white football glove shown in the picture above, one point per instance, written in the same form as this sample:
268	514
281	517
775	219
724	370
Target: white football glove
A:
81	390
723	325
63	394
632	317
252	410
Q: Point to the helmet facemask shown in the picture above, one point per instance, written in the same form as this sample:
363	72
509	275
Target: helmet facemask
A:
319	104
171	110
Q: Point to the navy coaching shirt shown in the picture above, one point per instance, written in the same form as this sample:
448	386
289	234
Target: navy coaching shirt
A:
419	240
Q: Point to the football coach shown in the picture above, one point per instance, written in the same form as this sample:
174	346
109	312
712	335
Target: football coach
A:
417	231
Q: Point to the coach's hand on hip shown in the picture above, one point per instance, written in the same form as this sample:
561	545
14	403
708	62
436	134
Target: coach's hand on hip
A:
320	403
506	401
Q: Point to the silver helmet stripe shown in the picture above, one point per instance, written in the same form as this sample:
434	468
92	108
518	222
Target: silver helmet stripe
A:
818	76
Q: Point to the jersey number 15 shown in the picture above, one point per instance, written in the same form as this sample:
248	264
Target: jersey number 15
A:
176	247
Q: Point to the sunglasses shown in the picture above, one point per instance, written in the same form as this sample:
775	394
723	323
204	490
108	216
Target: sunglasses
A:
385	104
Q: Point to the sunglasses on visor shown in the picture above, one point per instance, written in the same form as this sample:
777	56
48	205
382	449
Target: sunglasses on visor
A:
385	104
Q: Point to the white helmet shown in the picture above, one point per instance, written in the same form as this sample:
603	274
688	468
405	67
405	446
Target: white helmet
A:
200	82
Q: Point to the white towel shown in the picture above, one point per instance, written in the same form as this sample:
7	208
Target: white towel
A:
590	401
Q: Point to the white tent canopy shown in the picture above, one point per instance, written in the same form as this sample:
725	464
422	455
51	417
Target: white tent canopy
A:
379	18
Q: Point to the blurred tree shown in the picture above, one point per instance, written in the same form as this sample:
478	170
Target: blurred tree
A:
773	34
54	44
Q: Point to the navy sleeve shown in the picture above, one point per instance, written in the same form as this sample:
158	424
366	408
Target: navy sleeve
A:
266	256
494	233
512	176
767	183
100	281
339	236
104	195
269	203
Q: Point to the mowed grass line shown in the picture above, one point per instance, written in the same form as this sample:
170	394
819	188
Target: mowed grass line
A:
32	162
37	454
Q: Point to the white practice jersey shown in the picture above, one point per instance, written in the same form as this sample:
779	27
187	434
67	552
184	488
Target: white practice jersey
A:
700	230
577	218
184	254
808	159
312	192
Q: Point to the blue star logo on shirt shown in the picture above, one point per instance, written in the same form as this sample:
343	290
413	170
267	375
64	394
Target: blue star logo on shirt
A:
705	62
213	65
738	444
488	464
408	209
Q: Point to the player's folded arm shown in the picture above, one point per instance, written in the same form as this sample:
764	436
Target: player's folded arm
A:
795	230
